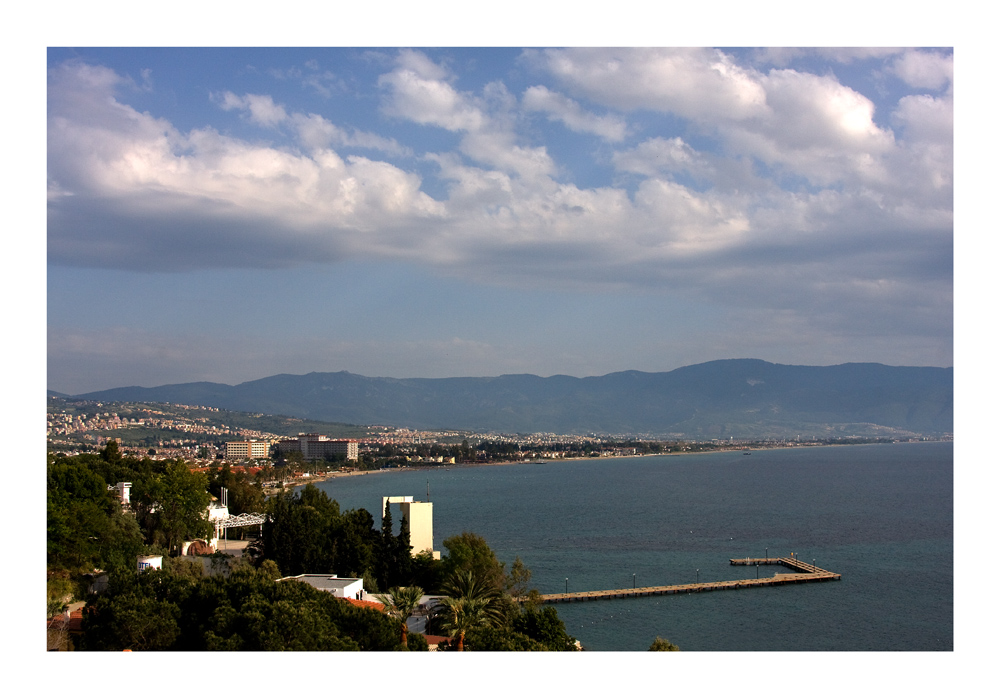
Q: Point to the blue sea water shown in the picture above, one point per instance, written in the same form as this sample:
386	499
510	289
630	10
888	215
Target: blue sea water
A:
881	515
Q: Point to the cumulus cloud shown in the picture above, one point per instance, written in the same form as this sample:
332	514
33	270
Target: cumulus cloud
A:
808	125
129	189
693	83
924	69
655	156
261	108
313	131
130	185
418	90
561	108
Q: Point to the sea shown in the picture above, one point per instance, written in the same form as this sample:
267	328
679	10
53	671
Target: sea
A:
880	515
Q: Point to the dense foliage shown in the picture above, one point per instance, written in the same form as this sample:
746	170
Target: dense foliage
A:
157	610
306	533
88	529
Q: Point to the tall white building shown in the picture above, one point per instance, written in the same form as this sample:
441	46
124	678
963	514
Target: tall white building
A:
420	516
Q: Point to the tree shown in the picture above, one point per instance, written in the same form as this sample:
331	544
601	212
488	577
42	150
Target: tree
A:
301	531
469	552
399	605
517	580
661	645
173	505
87	528
386	549
472	602
157	610
244	495
545	627
400	571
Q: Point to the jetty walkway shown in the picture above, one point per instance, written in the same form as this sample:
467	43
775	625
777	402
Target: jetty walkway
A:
803	572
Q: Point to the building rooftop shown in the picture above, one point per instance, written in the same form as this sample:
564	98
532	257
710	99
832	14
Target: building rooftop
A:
325	582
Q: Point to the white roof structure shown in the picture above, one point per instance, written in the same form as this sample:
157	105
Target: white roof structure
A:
341	587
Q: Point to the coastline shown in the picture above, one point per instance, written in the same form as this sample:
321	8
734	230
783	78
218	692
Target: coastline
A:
418	468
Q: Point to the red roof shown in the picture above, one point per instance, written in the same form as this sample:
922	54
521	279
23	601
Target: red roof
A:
365	604
73	624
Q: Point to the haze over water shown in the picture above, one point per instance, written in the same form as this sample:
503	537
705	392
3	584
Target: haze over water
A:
880	515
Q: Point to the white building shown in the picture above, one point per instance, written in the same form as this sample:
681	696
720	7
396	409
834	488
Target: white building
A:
241	450
420	516
341	587
320	447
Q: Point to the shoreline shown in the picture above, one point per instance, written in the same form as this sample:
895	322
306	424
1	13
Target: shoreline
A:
424	467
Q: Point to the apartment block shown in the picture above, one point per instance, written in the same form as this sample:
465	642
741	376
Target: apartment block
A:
239	450
320	447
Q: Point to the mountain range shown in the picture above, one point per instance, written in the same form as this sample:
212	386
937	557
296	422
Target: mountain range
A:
741	398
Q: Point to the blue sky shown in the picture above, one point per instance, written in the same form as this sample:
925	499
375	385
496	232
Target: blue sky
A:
229	214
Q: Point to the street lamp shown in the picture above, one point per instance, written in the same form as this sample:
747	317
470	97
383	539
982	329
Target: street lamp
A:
633	580
696	573
567	585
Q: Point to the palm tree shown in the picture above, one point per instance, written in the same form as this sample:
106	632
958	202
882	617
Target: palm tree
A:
471	603
399	604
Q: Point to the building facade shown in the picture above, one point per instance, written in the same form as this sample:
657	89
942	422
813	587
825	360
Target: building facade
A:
240	450
420	517
320	447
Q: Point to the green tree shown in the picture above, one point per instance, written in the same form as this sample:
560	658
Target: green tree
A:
469	552
471	602
545	627
138	612
172	505
300	533
87	528
388	550
157	610
517	580
244	495
400	603
661	645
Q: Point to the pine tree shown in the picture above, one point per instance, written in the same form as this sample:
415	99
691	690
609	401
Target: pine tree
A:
401	574
387	550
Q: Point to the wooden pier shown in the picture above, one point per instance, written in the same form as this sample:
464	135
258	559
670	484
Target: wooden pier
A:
803	572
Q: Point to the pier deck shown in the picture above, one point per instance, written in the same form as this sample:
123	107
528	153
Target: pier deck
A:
804	572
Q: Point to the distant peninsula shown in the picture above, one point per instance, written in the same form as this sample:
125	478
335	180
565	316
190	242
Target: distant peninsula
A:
738	398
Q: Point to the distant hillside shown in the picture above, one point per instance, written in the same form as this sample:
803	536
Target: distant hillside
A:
718	399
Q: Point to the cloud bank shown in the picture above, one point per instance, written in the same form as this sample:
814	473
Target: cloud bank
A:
778	189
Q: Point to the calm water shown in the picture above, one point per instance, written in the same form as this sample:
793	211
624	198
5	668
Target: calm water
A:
880	515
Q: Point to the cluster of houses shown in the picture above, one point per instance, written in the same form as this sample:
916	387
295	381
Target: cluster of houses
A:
420	516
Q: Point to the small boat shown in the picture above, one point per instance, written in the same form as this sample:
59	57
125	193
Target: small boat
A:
746	453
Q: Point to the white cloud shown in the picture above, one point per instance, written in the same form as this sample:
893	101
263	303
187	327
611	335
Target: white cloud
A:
656	156
313	131
693	83
807	125
130	190
136	168
561	108
924	69
783	56
418	91
261	109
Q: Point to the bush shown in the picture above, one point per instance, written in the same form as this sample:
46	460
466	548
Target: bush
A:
661	645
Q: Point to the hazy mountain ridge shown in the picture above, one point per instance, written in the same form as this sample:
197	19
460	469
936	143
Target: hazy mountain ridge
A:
736	397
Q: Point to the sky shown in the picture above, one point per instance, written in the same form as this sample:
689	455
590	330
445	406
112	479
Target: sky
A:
229	214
